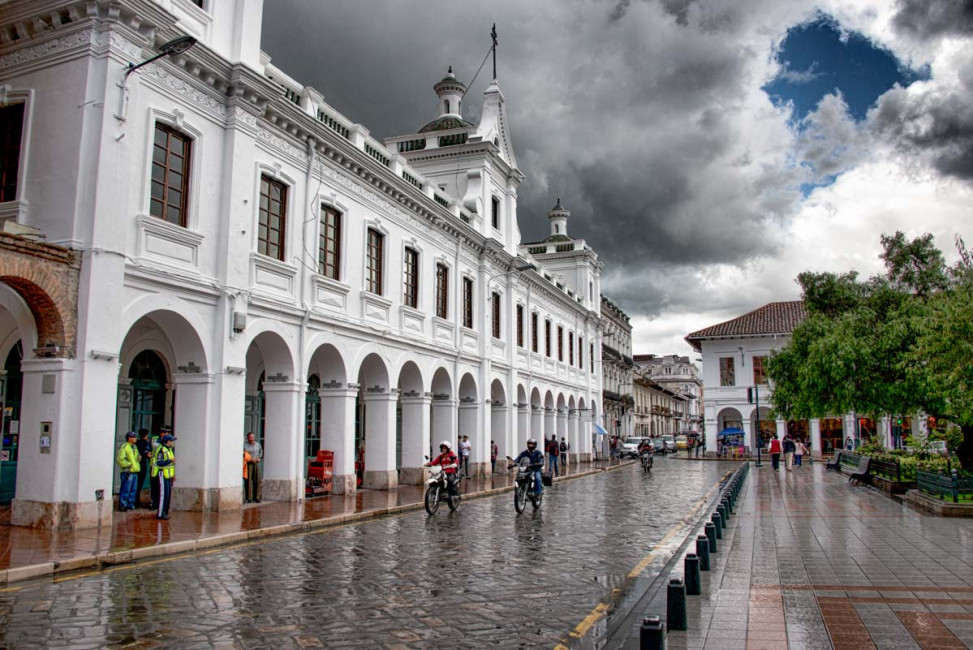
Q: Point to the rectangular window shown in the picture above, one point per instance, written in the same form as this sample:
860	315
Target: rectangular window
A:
496	315
727	372
520	326
468	302
11	132
442	290
759	371
376	253
411	271
560	343
273	208
329	242
581	352
495	211
570	348
547	337
171	152
533	332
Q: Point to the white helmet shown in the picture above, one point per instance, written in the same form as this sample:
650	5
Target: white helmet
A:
445	443
531	441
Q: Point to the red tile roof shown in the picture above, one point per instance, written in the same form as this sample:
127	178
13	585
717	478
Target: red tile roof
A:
772	318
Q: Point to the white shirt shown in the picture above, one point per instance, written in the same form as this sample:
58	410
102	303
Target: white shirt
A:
464	447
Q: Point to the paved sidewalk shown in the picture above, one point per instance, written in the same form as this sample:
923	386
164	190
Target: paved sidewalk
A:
28	553
809	561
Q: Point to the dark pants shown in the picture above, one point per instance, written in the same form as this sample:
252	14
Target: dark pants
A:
165	495
464	465
775	461
143	473
126	492
154	490
251	484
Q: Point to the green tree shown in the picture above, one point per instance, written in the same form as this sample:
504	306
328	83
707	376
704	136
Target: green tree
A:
896	343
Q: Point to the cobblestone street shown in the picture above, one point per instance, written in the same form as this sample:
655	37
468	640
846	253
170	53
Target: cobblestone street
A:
480	576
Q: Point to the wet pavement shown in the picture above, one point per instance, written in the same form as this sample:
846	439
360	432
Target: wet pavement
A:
809	561
481	576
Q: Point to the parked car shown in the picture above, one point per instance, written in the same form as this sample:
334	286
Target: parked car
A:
630	447
670	443
682	442
660	445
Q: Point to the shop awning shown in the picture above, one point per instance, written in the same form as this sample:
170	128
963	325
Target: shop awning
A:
598	429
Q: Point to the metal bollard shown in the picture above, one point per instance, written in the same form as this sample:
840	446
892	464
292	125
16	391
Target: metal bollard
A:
717	524
728	508
694	585
711	535
676	605
702	552
722	510
652	635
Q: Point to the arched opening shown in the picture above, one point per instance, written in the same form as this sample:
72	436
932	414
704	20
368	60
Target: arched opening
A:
442	411
11	390
832	435
469	423
375	428
536	417
550	420
523	419
312	418
562	422
498	422
412	430
574	418
331	418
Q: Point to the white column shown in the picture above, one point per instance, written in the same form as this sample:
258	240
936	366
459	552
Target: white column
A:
562	426
283	430
498	432
537	424
815	438
748	438
197	459
338	435
884	432
523	428
550	425
415	438
781	428
380	472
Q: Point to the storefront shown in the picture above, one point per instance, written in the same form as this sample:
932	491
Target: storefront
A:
832	435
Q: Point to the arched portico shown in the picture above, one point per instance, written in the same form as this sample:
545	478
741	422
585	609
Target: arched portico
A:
443	411
469	422
536	417
412	439
523	419
337	415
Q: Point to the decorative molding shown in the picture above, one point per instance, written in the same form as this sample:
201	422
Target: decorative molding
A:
54	46
201	99
275	141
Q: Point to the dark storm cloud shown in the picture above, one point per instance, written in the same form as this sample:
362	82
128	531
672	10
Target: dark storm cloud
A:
932	18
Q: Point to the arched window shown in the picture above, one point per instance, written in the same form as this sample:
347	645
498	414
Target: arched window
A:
447	105
149	377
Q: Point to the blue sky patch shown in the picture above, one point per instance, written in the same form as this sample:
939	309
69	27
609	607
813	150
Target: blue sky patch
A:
816	61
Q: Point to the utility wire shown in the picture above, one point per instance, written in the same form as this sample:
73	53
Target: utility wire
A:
477	72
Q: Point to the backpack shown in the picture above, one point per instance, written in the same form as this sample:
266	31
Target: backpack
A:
564	446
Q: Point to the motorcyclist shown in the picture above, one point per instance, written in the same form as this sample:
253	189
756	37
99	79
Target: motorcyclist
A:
536	458
449	462
646	447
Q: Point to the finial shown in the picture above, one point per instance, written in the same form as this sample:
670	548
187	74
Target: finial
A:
450	69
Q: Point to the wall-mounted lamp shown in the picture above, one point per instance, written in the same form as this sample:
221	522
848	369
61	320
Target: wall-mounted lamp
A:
169	48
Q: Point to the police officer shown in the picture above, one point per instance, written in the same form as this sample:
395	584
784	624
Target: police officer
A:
128	460
165	467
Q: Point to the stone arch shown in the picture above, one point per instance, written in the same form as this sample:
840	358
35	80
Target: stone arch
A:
469	421
326	362
442	410
375	436
536	415
499	409
21	321
412	418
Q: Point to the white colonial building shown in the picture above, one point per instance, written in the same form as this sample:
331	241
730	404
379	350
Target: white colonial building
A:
236	255
735	355
618	370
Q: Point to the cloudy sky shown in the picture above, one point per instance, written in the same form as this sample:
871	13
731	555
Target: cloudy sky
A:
709	150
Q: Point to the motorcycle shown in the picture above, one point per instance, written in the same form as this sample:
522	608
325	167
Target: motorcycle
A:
646	459
526	488
440	488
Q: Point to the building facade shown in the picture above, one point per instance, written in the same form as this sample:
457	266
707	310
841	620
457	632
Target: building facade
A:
658	410
618	370
679	375
735	355
249	259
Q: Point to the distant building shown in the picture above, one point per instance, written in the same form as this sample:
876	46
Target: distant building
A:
617	369
658	410
679	375
735	356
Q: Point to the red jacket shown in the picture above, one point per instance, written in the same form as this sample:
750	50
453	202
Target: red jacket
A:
449	458
775	445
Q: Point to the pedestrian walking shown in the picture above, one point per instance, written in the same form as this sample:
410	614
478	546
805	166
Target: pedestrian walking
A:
552	454
789	447
165	465
251	473
563	448
128	460
494	452
774	451
153	470
464	456
145	458
799	453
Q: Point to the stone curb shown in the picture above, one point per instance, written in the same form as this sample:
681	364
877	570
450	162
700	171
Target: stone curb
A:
118	558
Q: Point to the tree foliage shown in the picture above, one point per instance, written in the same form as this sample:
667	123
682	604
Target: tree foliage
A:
892	344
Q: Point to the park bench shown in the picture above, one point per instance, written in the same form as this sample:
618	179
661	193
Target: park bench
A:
832	465
860	473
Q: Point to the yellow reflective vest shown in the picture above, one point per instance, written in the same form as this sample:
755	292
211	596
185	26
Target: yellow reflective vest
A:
165	462
128	458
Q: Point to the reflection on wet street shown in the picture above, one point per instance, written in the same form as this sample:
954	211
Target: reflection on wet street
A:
480	576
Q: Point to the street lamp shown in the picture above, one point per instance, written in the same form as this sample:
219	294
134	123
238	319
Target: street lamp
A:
169	48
